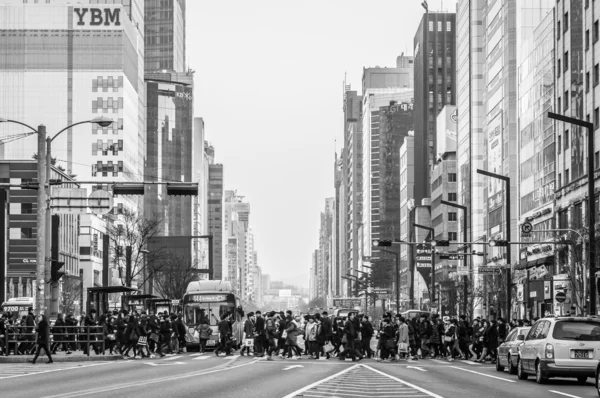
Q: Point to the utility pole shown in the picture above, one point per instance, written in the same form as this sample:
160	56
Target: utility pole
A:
41	222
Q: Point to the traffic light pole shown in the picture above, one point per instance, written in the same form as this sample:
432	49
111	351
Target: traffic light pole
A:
508	227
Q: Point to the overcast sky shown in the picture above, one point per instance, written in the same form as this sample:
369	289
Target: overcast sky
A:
269	78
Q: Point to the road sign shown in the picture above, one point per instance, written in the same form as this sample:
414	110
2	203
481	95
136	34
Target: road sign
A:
489	270
347	302
423	255
462	272
452	256
526	227
560	297
381	291
100	201
69	200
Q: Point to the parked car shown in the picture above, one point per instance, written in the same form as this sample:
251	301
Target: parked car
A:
508	352
560	347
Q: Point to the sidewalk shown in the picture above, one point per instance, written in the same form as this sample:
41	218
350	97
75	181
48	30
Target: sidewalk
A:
76	356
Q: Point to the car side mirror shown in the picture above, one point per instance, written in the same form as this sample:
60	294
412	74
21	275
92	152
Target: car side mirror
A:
521	337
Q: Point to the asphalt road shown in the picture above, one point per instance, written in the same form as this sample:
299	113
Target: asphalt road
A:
194	375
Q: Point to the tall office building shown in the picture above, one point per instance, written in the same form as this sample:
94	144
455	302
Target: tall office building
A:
84	62
165	35
169	156
215	216
236	214
387	118
435	87
337	269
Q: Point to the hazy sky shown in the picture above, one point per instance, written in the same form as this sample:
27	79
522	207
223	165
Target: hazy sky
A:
269	78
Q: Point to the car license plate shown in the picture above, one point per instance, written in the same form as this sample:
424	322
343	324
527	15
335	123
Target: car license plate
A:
211	343
581	354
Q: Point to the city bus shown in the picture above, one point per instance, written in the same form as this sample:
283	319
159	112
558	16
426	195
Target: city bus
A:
410	314
210	301
17	306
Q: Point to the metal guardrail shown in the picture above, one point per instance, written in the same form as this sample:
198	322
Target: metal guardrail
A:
73	335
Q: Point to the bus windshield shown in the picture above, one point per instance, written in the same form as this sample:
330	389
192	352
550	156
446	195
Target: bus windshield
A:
198	308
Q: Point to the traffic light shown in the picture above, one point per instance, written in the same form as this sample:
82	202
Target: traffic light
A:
498	243
129	188
382	243
436	243
182	189
55	273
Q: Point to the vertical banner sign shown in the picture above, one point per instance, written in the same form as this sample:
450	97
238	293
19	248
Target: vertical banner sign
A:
423	263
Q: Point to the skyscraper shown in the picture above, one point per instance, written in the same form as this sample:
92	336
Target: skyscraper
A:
435	87
165	35
215	216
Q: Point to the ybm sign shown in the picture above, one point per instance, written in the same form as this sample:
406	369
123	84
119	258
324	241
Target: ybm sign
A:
97	16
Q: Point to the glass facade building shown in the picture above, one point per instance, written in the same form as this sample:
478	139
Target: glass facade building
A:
169	155
165	35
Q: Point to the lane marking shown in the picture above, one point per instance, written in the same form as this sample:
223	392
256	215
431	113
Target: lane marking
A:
196	354
471	362
199	358
171	358
293	366
482	374
424	391
439	361
416	367
565	394
163	364
308	387
100	390
56	370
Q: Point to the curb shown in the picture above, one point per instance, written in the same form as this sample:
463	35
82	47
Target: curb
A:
44	359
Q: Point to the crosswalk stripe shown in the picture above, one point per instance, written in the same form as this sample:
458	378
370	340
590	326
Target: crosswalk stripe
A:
196	354
199	358
172	358
472	363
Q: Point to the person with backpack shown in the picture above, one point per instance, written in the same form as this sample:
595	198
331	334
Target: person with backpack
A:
248	333
204	332
58	331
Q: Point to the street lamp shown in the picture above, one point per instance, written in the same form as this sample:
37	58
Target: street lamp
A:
591	210
44	167
508	226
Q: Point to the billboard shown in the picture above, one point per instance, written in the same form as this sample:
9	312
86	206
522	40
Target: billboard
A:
446	130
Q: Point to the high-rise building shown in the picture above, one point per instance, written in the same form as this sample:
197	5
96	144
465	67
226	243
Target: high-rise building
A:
387	118
165	35
435	87
407	203
236	227
338	265
215	216
169	150
84	62
401	76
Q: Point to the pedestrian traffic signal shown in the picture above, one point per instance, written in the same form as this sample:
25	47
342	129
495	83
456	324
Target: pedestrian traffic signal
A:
498	243
55	273
382	243
440	243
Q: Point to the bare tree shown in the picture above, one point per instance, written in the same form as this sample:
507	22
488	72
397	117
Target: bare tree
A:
71	294
129	241
173	274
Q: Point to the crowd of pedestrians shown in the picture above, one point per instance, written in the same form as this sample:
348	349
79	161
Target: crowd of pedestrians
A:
137	335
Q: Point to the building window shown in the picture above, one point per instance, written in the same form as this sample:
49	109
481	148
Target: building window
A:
596	74
587	82
452	197
26	208
448	26
566	176
597	159
566	100
559	180
558	67
559	105
559	143
587	40
566	139
566	22
451	177
27	233
452	236
596	117
431	26
595	33
440	26
452	216
566	61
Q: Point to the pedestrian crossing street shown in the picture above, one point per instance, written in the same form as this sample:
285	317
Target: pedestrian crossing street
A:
362	381
10	371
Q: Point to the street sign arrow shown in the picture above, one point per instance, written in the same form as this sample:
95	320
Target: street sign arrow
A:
526	227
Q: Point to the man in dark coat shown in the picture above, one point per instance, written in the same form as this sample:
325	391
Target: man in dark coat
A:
225	331
350	334
90	322
366	335
43	339
259	333
29	330
248	333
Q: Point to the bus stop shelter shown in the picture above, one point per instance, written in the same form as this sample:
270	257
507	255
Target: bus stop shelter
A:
97	297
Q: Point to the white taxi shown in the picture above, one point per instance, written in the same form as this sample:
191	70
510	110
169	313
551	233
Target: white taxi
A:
560	347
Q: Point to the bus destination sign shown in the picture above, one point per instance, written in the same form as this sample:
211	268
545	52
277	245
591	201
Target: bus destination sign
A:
206	298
